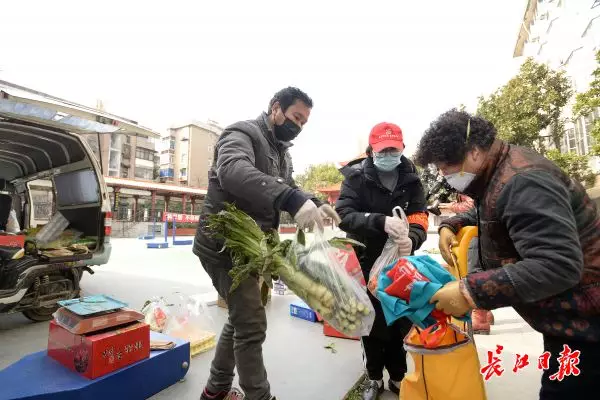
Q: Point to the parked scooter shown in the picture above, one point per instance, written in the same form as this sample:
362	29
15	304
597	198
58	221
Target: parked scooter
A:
34	288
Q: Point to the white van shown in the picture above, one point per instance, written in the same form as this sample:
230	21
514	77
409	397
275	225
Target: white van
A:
45	154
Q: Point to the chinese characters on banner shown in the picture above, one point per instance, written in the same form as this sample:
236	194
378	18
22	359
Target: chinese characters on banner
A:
183	218
567	363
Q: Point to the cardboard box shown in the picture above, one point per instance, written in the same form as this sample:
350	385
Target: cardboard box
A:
99	353
100	321
347	257
12	240
329	330
301	310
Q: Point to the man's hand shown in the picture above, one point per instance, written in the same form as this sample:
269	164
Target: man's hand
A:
450	300
308	216
447	241
395	227
328	212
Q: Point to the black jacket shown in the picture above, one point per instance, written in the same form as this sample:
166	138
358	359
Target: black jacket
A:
364	203
252	170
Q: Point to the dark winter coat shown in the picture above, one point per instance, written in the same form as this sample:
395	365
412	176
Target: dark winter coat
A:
539	243
252	170
364	203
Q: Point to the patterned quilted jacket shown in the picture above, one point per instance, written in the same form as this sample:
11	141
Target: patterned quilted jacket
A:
539	243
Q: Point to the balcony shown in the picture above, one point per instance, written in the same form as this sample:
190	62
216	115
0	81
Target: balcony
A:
166	173
145	143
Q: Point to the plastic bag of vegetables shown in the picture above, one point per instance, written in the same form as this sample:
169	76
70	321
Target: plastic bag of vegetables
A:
312	272
329	289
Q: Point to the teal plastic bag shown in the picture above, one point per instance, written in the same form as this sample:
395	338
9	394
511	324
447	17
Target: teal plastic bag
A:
418	309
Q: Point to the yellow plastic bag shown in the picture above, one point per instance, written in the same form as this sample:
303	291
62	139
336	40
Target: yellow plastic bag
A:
448	372
451	370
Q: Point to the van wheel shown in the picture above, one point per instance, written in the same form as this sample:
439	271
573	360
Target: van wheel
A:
40	314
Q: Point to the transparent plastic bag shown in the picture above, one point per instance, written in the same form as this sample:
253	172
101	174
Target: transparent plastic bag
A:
190	320
53	229
391	253
329	289
156	313
188	311
12	225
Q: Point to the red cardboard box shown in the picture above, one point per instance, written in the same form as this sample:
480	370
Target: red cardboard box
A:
347	257
12	240
98	354
329	330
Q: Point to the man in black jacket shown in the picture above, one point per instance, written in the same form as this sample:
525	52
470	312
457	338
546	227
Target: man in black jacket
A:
253	169
371	189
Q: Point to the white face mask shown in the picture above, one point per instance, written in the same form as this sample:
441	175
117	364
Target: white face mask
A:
460	180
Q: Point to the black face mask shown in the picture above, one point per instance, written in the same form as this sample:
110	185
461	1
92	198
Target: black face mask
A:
287	131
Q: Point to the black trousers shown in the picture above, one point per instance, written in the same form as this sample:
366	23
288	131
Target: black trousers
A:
584	385
383	348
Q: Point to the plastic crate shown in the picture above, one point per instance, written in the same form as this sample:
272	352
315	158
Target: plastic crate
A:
209	341
329	330
302	311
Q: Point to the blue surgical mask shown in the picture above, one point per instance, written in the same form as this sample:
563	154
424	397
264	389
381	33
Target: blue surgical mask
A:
460	180
387	161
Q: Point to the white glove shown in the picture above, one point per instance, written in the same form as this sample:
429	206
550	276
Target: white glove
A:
404	244
395	227
308	216
328	212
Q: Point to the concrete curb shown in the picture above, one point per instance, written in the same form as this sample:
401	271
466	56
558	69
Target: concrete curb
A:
356	385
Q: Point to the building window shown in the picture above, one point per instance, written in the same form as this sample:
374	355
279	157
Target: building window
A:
124	172
144	154
571	141
183	172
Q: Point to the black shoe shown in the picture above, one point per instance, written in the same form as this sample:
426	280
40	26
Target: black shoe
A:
393	388
231	394
371	390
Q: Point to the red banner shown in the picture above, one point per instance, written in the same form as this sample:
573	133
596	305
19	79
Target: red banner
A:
180	218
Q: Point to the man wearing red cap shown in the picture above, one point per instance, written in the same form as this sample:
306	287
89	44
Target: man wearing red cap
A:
372	188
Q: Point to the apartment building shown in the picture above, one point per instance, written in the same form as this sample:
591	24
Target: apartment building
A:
565	34
122	156
186	153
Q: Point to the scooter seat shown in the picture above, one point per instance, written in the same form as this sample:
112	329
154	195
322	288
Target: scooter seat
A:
7	253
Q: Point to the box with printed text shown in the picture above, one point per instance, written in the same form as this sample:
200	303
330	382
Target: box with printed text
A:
99	353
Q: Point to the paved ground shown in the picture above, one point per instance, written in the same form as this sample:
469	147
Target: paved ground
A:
299	367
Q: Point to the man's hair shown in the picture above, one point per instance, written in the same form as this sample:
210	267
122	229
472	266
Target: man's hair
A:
286	97
445	141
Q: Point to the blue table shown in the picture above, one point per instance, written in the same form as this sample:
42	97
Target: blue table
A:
40	377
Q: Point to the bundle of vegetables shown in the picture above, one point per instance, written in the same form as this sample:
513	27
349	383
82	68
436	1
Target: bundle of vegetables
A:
311	272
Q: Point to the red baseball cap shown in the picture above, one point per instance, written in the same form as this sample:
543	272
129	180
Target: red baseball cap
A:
385	135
